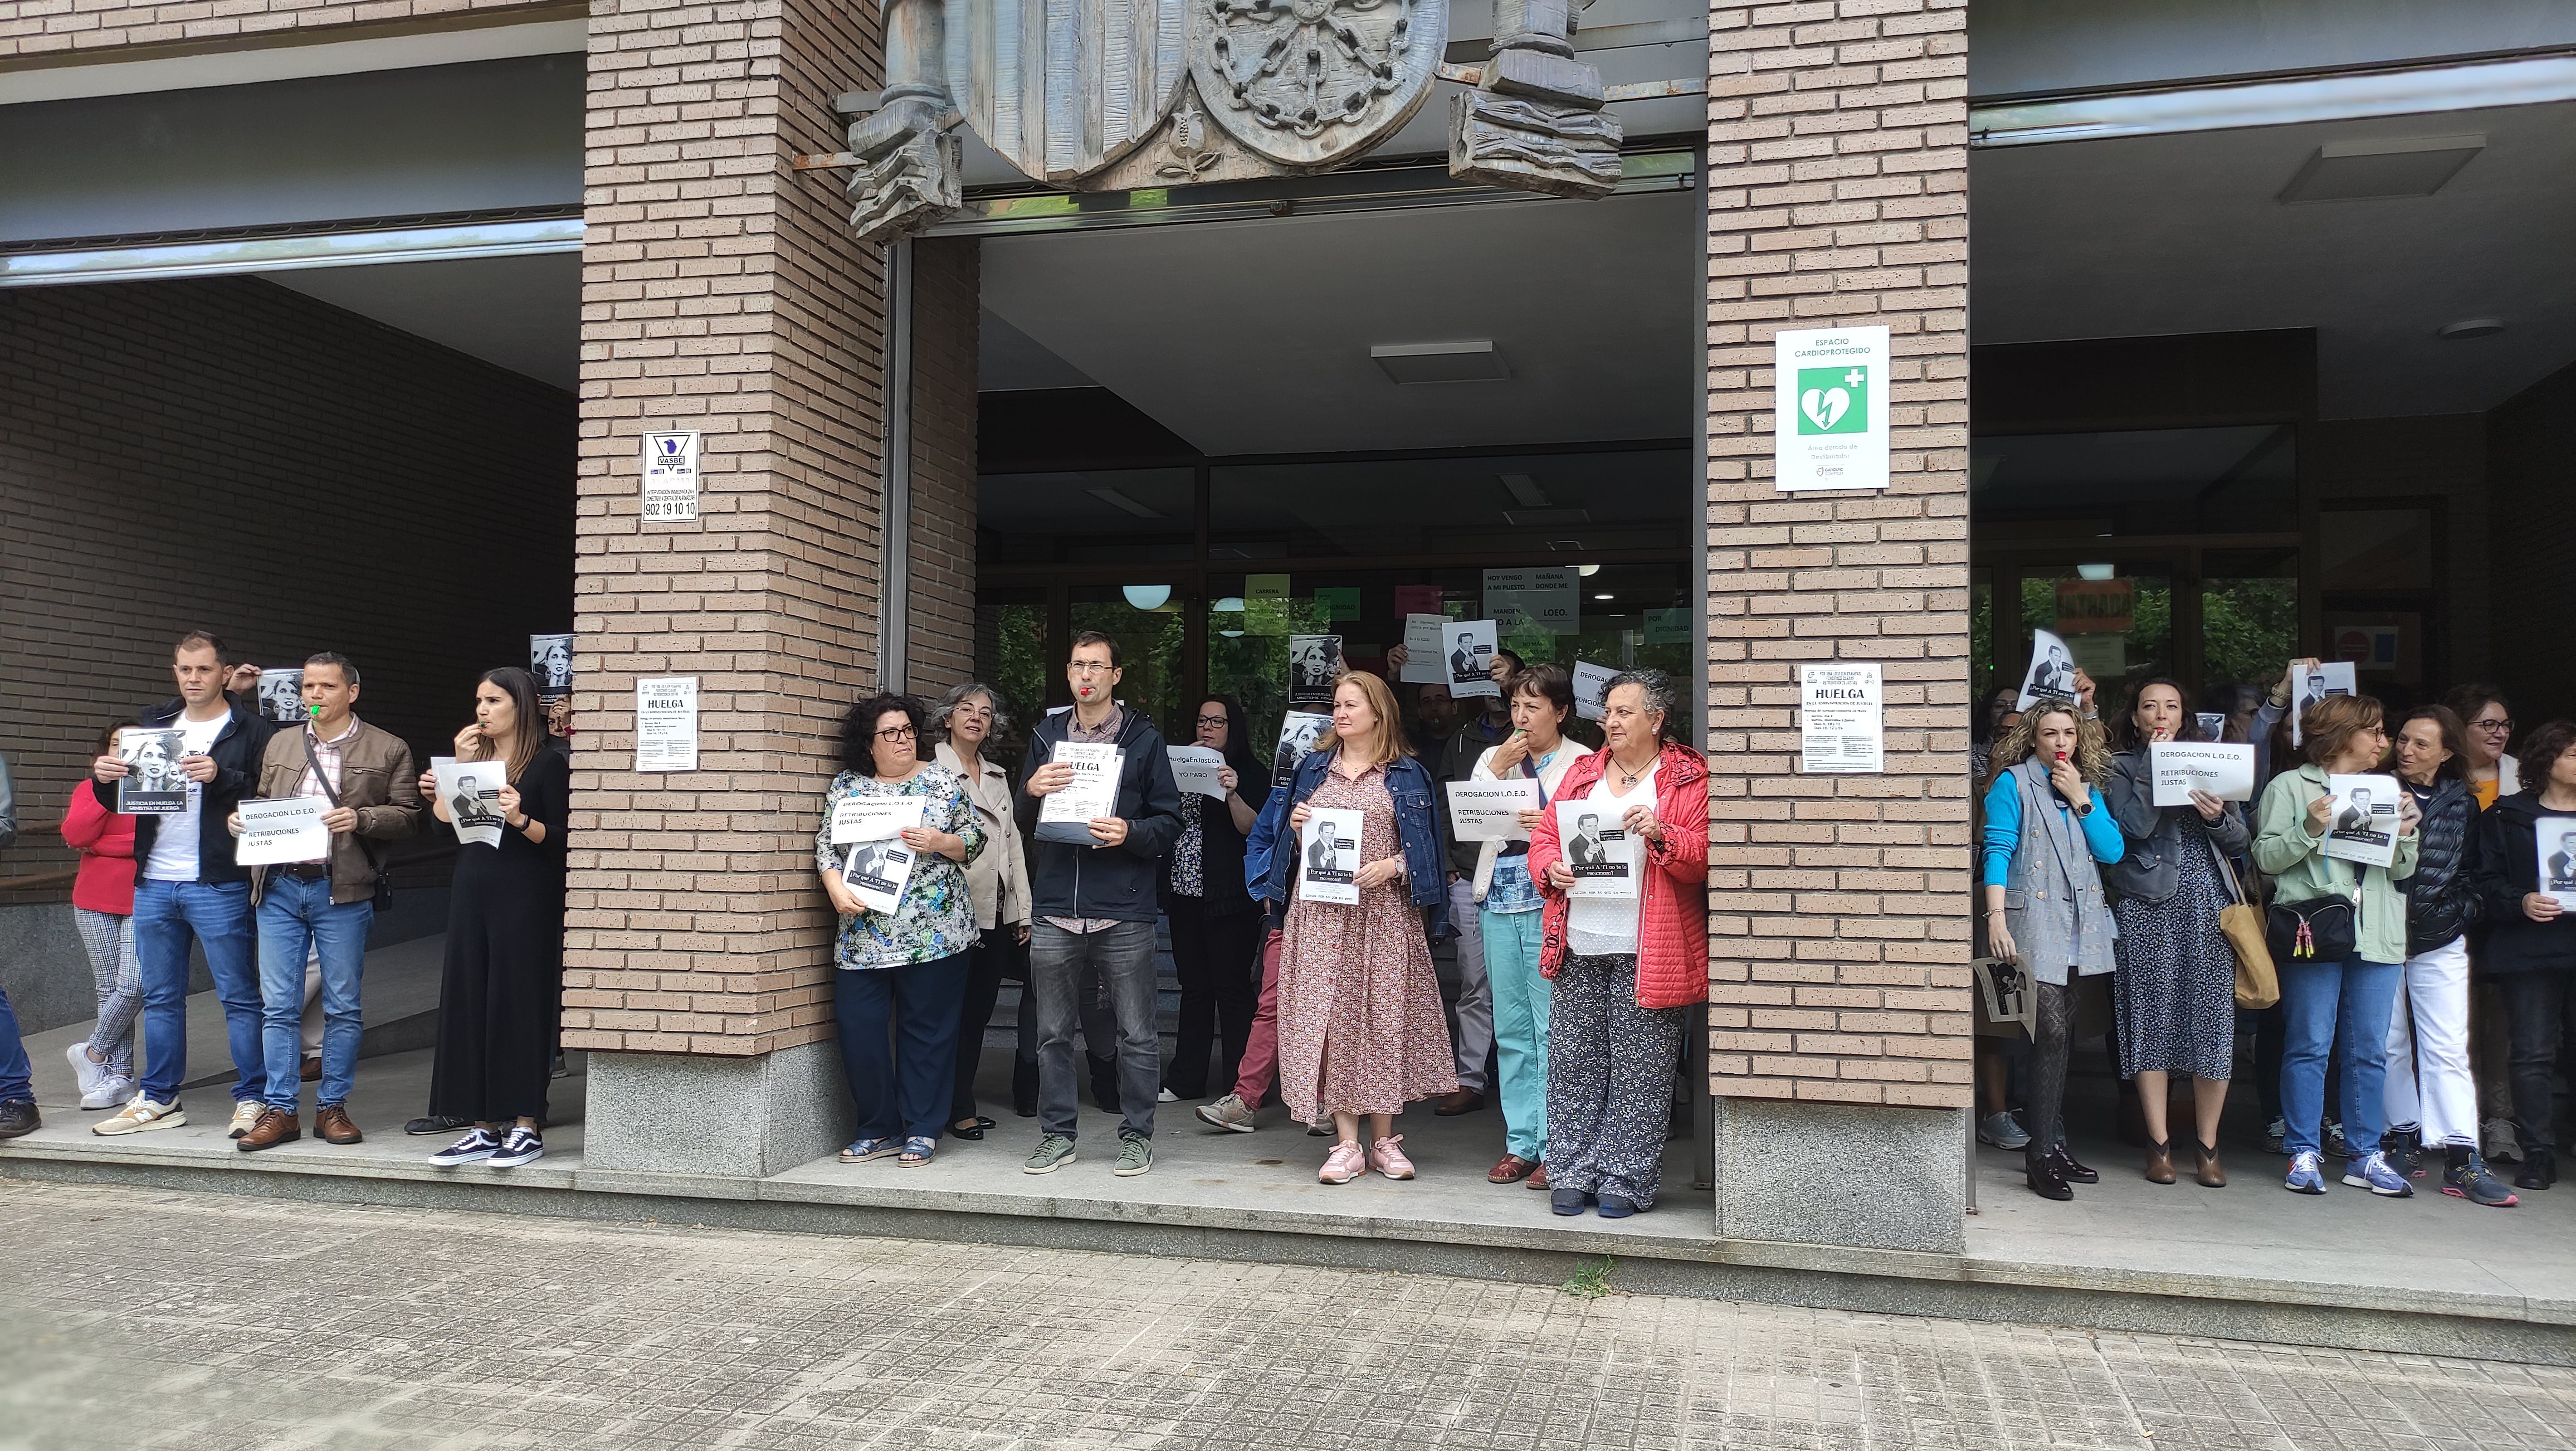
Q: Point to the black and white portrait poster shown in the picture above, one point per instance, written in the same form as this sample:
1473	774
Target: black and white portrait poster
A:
2555	839
2333	678
876	873
1329	857
153	784
1597	850
550	660
2213	724
2363	828
281	695
2052	673
1314	661
1299	733
1470	658
472	792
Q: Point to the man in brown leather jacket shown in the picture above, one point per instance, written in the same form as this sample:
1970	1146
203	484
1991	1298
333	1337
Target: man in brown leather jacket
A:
371	795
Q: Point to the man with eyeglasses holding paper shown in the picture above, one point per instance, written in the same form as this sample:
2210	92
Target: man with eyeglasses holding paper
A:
1092	876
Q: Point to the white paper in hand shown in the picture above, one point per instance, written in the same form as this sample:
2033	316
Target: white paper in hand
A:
2182	767
1591	688
876	872
2336	678
472	791
1066	815
1299	734
2363	828
1597	849
1467	659
286	829
1491	810
873	818
1196	770
1328	854
1426	650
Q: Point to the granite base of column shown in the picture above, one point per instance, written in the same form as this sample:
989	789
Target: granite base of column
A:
669	1113
1864	1176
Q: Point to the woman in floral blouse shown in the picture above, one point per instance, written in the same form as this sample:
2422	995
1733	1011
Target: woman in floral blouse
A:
902	971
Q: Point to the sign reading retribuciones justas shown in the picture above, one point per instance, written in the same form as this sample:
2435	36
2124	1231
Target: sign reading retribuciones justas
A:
1841	720
281	830
873	818
1829	403
1491	810
2363	827
670	477
2182	767
666	723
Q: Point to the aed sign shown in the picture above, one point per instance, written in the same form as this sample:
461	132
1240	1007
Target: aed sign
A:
1829	409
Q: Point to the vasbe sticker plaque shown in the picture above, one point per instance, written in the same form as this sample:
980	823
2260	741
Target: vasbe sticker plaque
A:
670	477
1830	409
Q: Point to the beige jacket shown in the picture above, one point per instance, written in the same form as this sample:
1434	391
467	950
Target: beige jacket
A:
376	778
1567	753
998	877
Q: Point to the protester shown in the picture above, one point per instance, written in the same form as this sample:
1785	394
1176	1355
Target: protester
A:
192	892
103	909
1095	903
1510	910
1623	973
18	1115
2045	818
1359	978
2342	994
2174	996
2491	774
501	997
1215	926
903	970
966	720
1986	725
1258	1073
2432	1101
2486	730
2530	944
1458	756
2272	716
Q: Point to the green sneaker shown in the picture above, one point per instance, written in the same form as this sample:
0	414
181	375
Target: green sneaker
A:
1054	1152
1135	1156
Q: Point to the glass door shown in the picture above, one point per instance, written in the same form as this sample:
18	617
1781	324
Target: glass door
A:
1151	621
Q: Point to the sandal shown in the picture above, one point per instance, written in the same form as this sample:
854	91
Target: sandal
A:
862	1150
972	1128
916	1152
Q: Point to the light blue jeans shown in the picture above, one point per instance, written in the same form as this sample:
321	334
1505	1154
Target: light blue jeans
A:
2316	997
1520	1028
168	917
298	919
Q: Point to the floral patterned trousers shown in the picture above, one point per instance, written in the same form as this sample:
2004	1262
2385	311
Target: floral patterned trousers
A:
1610	1066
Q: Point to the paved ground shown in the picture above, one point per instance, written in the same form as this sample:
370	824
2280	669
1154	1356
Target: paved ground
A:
152	1318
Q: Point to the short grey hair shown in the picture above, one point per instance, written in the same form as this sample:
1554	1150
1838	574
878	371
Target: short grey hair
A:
1657	689
961	693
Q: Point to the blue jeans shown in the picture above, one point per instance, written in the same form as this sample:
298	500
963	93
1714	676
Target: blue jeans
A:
899	1043
298	919
168	916
2315	997
17	1081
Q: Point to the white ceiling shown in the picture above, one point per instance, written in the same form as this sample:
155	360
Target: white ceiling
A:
519	313
1254	337
2180	234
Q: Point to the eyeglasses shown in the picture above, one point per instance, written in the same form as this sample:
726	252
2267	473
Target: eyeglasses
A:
899	733
1090	667
1214	720
2493	727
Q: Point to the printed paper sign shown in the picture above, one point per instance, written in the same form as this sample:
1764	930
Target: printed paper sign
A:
472	791
1314	662
281	695
1067	815
1265	604
2182	767
1329	857
1546	600
1197	770
1669	627
153	784
666	723
1338	602
1597	849
873	818
1592	688
1301	732
1841	720
1425	638
550	660
2334	678
670	477
1829	409
2555	842
1467	659
2363	828
876	871
1491	810
2052	673
288	829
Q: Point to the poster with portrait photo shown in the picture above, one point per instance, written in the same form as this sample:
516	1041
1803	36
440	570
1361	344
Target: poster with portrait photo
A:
472	791
1467	656
2555	840
2363	829
550	660
281	696
2051	678
1597	849
153	784
1328	856
1314	662
2334	678
1299	734
877	871
2213	724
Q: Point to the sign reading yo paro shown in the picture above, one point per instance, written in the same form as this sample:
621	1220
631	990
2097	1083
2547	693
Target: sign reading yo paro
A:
1829	409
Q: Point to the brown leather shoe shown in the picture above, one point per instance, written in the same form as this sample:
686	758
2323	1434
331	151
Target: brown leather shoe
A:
275	1126
2160	1164
1537	1178
1510	1169
1450	1105
312	1070
2212	1173
331	1125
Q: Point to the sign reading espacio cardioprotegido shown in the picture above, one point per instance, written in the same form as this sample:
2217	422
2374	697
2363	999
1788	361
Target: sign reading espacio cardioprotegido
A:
1830	409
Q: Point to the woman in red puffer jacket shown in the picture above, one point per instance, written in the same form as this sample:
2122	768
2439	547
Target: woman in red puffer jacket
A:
1621	857
103	906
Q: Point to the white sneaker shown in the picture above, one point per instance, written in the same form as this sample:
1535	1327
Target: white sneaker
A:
140	1115
1167	1096
246	1112
90	1074
109	1093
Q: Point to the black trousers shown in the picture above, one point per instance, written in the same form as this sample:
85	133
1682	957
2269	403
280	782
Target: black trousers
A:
2535	1005
1218	960
995	956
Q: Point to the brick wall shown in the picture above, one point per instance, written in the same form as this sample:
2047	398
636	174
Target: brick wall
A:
720	293
1839	908
40	32
231	454
946	306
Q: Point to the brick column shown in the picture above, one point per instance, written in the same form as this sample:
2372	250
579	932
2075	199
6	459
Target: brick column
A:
1839	905
721	294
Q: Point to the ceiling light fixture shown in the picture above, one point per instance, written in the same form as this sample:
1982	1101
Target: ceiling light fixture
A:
1587	570
1147	596
1604	596
1467	362
2470	327
1525	491
2096	571
2348	171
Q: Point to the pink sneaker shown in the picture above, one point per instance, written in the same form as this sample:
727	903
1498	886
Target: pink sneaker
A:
1389	1160
1343	1164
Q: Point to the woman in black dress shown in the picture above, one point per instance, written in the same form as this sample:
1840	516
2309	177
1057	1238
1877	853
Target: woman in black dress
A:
501	998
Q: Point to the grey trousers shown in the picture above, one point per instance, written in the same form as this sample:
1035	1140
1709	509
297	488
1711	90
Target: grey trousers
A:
1124	957
1610	1066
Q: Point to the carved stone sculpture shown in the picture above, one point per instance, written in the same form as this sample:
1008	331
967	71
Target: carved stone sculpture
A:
910	166
1535	121
1062	88
1313	84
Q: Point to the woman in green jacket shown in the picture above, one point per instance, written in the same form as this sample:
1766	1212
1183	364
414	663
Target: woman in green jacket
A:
2343	736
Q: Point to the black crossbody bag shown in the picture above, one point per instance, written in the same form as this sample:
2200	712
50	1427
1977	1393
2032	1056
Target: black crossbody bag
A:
384	878
2314	929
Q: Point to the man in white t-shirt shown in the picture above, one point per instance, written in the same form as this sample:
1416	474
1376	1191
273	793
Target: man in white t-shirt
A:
188	890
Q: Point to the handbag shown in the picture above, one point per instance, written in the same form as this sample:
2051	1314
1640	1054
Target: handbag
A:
2314	929
2258	984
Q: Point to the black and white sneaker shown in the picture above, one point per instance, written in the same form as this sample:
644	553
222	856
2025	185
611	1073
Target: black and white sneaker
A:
474	1148
518	1146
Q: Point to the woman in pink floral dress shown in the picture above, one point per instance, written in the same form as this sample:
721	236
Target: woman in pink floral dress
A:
1361	1032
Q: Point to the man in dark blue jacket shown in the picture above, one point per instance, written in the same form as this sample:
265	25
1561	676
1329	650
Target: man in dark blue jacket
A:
1095	902
189	889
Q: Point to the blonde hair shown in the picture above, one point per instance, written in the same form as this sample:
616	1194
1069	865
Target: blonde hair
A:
2092	747
1388	745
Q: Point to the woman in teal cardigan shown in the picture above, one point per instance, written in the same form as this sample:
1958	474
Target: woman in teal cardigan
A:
2343	736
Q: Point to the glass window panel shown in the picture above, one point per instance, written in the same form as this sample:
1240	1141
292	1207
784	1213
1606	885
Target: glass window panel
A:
1525	506
2237	480
1012	655
2115	658
2367	550
1092	516
2249	616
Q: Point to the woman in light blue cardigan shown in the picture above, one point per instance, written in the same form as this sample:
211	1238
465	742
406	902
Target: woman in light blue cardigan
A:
2046	831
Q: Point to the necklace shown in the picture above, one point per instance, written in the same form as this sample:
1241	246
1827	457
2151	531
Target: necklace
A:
1628	778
